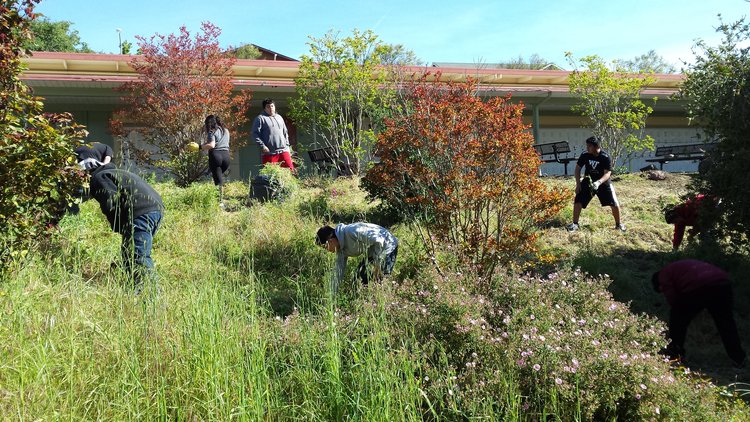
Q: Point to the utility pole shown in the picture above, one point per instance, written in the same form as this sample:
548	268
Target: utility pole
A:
119	38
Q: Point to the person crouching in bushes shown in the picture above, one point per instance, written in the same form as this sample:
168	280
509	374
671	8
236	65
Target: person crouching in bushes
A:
133	208
379	246
686	214
690	285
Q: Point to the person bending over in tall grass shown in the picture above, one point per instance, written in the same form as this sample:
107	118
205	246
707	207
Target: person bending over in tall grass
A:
379	246
133	208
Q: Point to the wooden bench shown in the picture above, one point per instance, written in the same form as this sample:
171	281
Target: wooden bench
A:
685	152
550	153
323	158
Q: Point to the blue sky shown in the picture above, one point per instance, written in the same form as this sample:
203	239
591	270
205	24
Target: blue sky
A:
437	31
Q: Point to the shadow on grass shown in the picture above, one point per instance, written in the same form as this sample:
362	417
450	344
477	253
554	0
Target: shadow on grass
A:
630	271
288	274
319	208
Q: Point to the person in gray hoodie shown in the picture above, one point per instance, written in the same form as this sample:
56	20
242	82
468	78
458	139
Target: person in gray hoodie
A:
379	246
271	135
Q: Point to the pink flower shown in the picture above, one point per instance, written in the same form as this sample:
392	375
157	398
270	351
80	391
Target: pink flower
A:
558	381
537	367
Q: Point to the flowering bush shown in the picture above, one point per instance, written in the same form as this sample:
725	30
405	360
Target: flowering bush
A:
556	345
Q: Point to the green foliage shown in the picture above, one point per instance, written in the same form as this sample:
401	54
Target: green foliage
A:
611	101
340	94
126	47
647	63
534	62
38	173
242	328
55	36
398	55
283	182
717	89
244	51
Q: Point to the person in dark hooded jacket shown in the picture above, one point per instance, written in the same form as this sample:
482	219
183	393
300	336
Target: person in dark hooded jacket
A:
133	208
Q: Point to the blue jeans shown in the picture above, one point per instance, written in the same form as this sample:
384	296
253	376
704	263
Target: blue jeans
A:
364	273
136	246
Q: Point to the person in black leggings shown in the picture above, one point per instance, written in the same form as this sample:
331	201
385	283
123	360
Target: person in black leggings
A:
217	145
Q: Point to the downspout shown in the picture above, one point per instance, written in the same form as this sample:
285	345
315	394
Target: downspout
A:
535	119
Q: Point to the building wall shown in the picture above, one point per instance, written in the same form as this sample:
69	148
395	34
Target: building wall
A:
576	137
554	126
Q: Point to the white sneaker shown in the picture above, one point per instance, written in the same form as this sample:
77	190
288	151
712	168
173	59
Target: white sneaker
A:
572	227
620	227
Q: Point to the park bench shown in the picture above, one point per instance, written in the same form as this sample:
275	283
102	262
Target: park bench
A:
551	153
323	158
685	152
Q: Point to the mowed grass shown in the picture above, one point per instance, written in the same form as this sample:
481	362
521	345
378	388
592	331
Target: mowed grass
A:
241	326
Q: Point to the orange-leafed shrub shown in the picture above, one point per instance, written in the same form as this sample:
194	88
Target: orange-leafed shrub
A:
465	170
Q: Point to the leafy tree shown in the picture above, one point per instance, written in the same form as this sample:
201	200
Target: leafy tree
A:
339	93
181	80
38	173
398	55
55	36
126	47
244	51
647	63
611	100
535	62
717	89
464	171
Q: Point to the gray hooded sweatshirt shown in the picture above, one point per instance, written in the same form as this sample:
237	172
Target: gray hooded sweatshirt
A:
271	131
360	239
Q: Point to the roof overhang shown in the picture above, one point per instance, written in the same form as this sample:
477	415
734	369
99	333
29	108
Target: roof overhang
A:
82	70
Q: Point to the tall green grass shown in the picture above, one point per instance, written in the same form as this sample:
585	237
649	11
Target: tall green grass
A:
240	326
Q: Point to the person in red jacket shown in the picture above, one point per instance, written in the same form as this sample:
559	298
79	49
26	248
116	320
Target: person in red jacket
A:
682	215
690	285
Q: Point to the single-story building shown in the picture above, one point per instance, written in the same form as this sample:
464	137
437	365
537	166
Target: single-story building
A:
83	84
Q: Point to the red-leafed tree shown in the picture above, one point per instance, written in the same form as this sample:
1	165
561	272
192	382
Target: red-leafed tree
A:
465	170
181	80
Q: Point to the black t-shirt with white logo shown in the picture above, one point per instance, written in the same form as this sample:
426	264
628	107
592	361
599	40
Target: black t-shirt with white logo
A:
595	166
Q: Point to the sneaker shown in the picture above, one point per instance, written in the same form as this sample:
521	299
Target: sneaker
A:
620	227
572	227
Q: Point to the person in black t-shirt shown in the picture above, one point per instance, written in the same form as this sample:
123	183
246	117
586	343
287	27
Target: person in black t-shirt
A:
597	182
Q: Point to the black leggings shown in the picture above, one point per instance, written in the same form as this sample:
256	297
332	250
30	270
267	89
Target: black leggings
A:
218	162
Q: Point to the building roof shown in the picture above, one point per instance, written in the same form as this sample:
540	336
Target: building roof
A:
267	54
84	70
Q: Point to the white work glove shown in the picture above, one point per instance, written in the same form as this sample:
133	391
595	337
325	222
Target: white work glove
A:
596	185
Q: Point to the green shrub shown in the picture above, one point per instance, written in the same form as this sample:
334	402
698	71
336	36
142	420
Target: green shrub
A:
283	182
38	173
